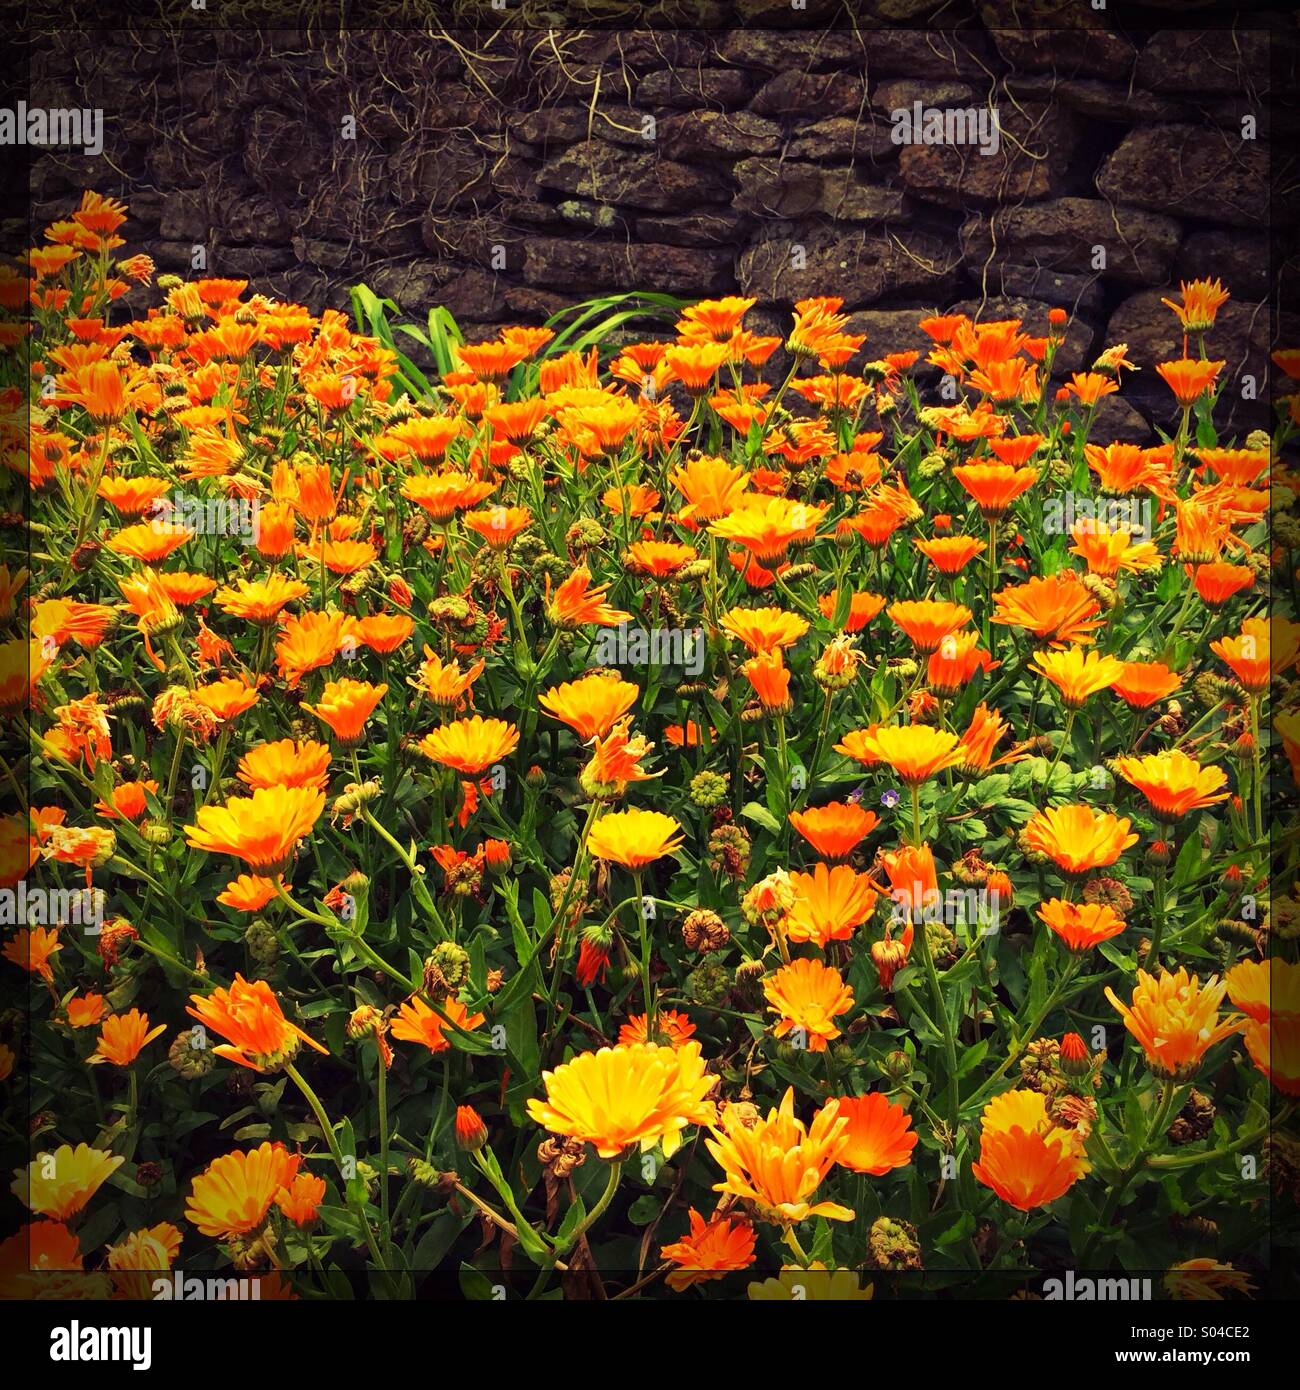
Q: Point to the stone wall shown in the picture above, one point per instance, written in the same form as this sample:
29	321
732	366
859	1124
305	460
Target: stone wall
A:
507	175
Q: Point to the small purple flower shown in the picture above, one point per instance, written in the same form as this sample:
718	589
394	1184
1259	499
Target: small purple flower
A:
889	798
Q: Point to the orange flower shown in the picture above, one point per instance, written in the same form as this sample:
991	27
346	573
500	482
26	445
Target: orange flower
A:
777	1162
1141	683
808	996
59	1184
671	1027
643	1094
1176	1020
300	1199
1077	674
764	629
1078	839
696	364
1189	378
233	1194
1107	552
711	1250
499	525
132	496
345	706
249	1016
576	602
262	830
227	698
151	542
712	487
127	800
259	601
442	495
659	559
768	526
590	706
285	763
248	893
444	682
953	664
34	949
470	746
1026	1159
994	486
1274	1047
122	1036
830	903
1248	656
863	607
1081	925
307	642
836	829
878	1134
982	736
915	751
1202	300
634	838
1217	583
86	1011
416	1022
1173	783
616	762
913	882
770	677
1055	607
926	622
950	554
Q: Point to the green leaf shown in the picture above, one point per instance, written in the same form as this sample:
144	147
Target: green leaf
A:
760	815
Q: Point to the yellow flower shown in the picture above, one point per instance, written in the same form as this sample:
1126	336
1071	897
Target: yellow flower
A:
1176	1019
59	1184
644	1094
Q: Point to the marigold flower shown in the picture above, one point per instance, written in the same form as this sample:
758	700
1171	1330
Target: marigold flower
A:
1026	1159
1249	657
808	996
764	629
499	525
285	763
1078	839
1142	683
950	554
262	830
712	1249
1176	1020
470	746
416	1022
248	893
33	950
1077	674
672	1027
830	903
659	559
915	751
59	1184
1173	783
616	762
1055	607
836	829
127	800
84	1011
926	622
248	1015
770	677
777	1163
345	706
712	487
1189	378
590	706
233	1194
768	526
151	542
863	607
123	1036
878	1134
444	682
1202	300
259	601
576	602
1217	583
227	698
1106	552
1274	1048
994	486
644	1094
1081	925
634	838
151	1250
300	1199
